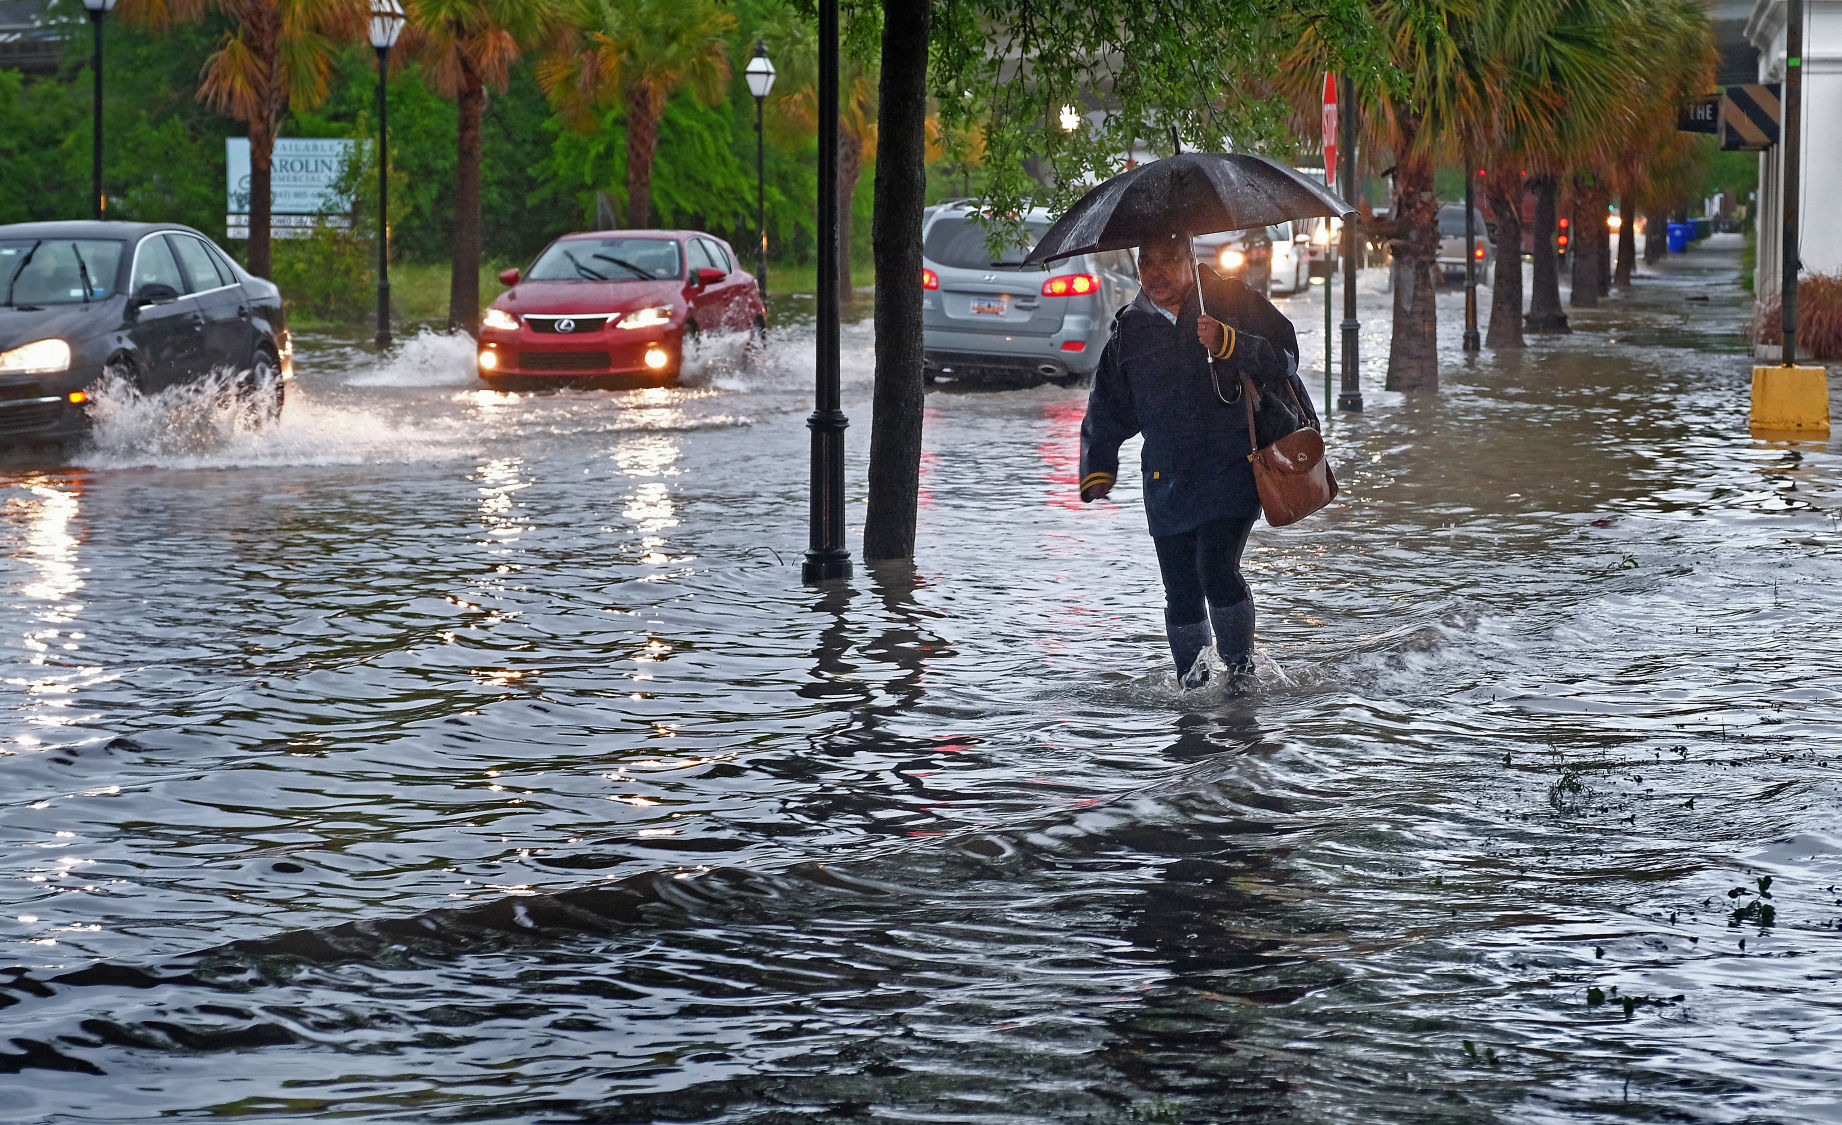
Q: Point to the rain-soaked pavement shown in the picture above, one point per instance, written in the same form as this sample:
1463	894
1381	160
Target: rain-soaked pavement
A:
444	755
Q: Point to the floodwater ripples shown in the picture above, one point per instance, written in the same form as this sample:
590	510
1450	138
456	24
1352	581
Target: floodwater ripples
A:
447	755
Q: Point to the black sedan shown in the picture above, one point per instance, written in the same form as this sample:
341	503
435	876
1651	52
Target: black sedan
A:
152	304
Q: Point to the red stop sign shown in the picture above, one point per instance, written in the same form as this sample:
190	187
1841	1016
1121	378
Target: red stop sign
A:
1330	130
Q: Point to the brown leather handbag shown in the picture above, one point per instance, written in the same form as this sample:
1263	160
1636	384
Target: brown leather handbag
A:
1291	474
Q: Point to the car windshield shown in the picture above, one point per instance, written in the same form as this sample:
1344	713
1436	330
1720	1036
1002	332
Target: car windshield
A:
57	271
1452	223
960	243
608	259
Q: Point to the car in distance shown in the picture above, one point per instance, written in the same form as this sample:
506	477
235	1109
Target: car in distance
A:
987	319
1452	252
615	307
154	305
1243	254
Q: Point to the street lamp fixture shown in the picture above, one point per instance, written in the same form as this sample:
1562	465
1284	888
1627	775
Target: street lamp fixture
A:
97	10
760	75
386	25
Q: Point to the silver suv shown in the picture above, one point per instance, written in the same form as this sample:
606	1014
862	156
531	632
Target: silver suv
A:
988	319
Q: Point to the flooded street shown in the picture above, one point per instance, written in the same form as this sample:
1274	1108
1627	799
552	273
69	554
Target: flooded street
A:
447	755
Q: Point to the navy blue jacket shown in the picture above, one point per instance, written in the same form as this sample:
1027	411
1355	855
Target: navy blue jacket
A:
1154	379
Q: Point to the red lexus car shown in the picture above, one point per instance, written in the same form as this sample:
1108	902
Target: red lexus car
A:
615	306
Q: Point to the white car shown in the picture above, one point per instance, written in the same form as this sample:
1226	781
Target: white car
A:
1291	270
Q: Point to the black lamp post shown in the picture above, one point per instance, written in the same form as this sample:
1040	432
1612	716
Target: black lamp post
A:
97	9
386	25
826	557
1350	396
760	73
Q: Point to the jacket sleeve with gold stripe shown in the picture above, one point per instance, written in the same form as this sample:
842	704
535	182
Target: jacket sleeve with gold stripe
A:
1110	420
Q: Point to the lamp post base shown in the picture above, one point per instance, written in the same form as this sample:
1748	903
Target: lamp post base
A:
830	564
383	316
827	560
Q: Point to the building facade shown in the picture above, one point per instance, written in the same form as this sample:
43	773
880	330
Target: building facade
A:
1820	155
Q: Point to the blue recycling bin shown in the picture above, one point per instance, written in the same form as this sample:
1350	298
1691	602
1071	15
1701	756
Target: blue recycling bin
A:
1678	237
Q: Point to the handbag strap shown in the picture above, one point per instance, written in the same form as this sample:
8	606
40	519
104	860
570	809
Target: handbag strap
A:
1247	396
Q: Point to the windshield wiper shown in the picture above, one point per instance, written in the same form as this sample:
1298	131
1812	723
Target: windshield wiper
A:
582	269
21	268
83	272
623	264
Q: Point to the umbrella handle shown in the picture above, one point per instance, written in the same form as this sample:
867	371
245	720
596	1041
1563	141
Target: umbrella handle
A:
1196	268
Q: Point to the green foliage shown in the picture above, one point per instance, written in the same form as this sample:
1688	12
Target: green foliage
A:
328	275
1153	65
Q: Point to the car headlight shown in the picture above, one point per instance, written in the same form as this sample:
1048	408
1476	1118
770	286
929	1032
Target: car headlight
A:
647	318
41	357
1232	259
499	318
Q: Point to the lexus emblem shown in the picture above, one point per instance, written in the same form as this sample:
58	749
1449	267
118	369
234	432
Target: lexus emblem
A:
566	325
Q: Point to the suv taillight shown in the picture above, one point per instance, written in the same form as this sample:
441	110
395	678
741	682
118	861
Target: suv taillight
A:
929	279
1071	285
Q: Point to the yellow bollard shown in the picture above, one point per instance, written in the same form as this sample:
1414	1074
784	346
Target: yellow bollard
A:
1790	400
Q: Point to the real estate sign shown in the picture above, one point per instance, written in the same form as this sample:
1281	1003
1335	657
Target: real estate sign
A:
302	185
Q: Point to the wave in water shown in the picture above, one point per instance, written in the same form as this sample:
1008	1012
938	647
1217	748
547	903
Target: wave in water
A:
201	425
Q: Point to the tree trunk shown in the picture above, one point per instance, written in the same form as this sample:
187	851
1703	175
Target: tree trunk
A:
895	227
1545	316
262	24
1602	247
1627	241
642	144
850	167
1656	240
1583	250
1505	195
1413	353
464	270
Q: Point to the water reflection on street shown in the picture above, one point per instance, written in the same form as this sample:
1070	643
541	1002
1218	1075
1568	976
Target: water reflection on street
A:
444	754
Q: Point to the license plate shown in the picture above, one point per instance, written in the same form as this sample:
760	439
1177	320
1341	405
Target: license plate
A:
988	306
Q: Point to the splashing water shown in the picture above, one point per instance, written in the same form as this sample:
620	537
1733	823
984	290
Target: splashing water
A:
208	424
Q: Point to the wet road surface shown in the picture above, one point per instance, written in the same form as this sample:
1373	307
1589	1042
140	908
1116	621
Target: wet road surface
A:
448	755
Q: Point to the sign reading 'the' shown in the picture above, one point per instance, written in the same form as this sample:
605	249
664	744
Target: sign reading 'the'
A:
303	181
1701	115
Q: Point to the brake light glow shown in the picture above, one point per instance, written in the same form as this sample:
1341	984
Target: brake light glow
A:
78	397
1074	345
1479	252
1071	285
930	279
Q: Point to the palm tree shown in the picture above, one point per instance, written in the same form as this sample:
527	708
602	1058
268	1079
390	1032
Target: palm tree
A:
1438	92
1608	108
466	46
278	52
1561	73
636	53
796	104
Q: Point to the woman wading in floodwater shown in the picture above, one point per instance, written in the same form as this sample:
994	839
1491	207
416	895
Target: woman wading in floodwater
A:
1155	379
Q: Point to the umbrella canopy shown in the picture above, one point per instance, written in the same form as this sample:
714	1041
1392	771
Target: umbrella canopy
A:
1190	193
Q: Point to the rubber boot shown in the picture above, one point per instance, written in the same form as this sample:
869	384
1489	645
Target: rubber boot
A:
1186	644
1234	637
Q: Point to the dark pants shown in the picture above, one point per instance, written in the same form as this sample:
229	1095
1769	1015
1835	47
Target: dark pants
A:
1202	568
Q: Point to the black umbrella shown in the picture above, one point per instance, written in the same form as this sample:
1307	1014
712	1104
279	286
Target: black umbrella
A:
1190	193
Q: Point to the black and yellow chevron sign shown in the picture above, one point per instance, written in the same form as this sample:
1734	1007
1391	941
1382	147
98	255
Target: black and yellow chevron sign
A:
1749	117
